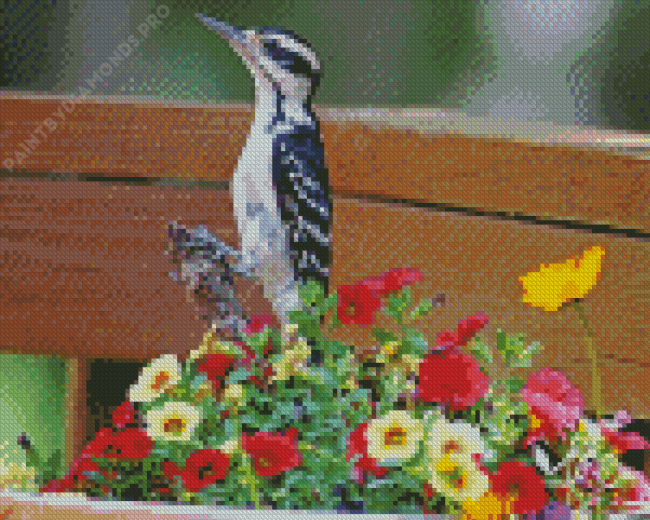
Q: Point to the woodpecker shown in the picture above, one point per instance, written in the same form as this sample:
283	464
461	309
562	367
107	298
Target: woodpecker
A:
280	188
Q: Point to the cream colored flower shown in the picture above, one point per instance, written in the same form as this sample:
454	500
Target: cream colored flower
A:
394	436
289	334
454	471
232	446
292	362
234	394
18	476
163	374
176	421
211	345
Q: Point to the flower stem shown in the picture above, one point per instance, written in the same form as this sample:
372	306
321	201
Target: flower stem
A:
250	477
595	374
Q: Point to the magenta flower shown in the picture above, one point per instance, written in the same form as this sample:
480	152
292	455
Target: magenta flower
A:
555	403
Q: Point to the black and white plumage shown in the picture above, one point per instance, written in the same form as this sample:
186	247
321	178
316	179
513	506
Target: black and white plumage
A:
280	189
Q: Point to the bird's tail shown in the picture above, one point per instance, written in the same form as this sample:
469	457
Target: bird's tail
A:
207	266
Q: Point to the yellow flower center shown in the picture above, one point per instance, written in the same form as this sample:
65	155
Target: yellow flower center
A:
534	421
394	436
453	473
264	462
450	447
174	425
160	380
350	309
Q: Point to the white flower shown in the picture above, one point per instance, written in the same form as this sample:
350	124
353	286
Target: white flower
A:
454	471
176	421
164	373
394	436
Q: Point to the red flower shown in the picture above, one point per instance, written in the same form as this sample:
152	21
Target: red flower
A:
127	444
358	445
76	478
273	453
357	304
522	484
466	329
216	366
202	469
124	415
452	378
395	279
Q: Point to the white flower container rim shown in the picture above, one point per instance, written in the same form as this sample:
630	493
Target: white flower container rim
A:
59	502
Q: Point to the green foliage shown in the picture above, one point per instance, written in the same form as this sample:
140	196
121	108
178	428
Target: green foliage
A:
481	351
422	309
513	352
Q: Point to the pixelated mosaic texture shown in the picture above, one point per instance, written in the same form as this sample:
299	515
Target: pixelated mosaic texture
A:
458	254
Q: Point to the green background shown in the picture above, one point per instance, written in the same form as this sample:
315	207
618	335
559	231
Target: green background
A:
32	400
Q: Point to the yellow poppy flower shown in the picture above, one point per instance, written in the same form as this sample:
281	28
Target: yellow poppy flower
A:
555	284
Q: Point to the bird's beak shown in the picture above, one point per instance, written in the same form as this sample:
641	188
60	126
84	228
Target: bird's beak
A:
236	36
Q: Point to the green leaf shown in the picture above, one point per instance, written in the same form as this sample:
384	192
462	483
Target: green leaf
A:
398	303
525	360
423	308
384	336
481	351
52	466
312	294
511	348
514	384
414	343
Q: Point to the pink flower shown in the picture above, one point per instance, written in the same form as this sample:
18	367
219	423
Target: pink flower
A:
258	323
555	402
452	378
623	441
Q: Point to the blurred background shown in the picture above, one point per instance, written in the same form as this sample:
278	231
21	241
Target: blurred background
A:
569	61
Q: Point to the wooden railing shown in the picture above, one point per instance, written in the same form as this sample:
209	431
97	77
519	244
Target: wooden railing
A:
473	204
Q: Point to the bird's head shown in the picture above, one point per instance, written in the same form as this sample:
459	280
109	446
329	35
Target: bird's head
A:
276	56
